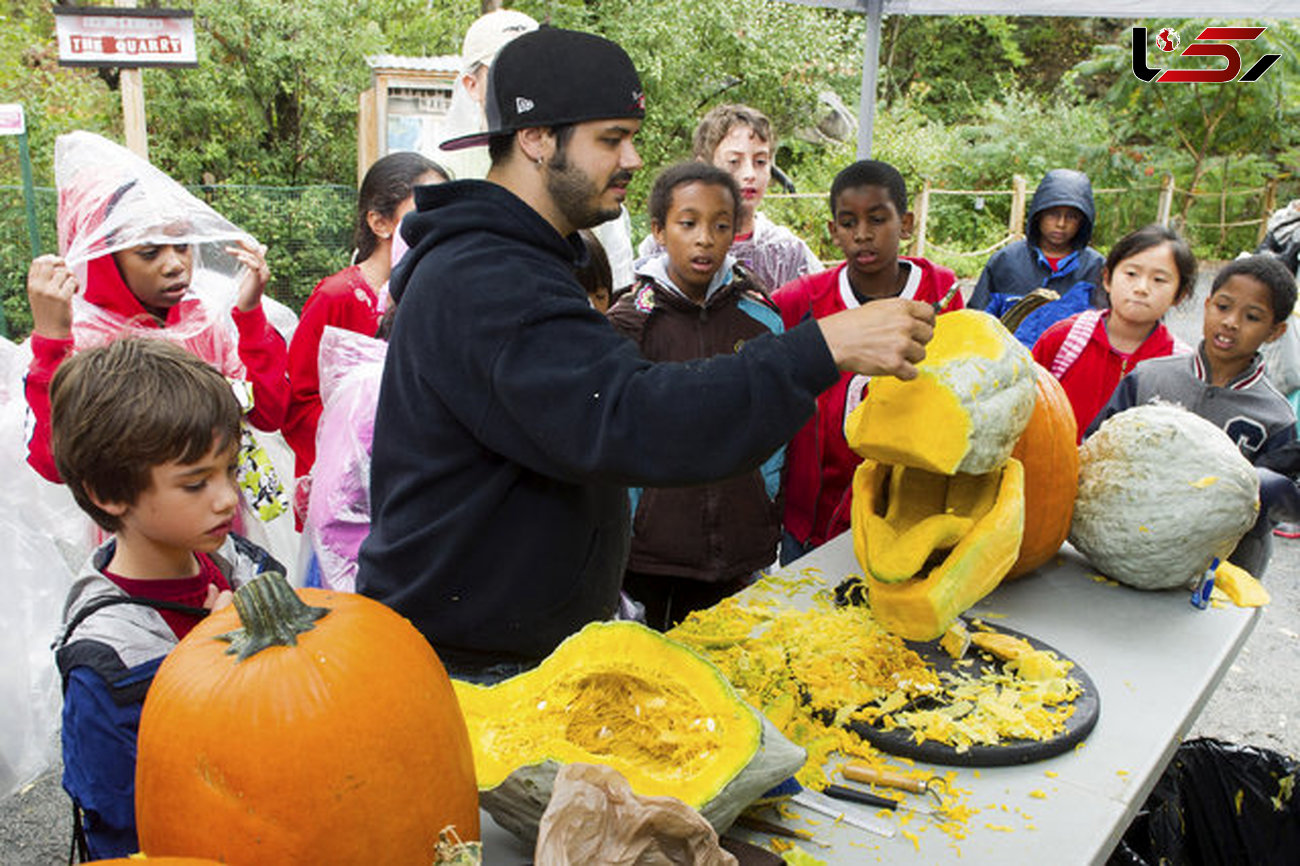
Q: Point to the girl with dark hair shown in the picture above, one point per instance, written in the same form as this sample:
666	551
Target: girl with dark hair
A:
351	298
1147	272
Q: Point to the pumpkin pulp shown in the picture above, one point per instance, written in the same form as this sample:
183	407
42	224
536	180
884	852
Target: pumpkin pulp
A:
618	694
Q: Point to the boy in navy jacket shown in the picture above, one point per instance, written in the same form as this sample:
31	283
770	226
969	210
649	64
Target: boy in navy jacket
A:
169	497
1054	253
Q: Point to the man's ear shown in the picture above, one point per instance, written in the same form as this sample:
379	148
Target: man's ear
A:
1278	330
909	219
117	509
537	143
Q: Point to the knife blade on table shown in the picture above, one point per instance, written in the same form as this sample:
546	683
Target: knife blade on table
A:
808	800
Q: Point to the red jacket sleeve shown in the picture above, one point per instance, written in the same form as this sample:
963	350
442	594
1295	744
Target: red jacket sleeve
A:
305	408
47	355
266	359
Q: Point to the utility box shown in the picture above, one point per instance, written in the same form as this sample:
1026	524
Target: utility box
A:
405	107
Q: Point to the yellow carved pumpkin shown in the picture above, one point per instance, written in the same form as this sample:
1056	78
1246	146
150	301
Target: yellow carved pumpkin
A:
938	502
620	694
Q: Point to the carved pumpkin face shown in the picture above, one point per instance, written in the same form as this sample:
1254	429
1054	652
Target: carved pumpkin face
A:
938	502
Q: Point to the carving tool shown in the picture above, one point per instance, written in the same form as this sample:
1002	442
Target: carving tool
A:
761	825
853	795
947	299
890	779
808	801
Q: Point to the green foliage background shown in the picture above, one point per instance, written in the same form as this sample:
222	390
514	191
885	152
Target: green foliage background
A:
265	127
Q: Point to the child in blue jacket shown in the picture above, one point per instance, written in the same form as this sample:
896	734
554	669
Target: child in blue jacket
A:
1054	253
146	435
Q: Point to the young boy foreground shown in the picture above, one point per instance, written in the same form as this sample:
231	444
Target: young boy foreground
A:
146	436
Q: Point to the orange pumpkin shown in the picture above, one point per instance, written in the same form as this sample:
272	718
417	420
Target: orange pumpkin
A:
1051	459
327	734
154	861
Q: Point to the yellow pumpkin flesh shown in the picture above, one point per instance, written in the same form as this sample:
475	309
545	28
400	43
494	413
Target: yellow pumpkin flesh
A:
938	508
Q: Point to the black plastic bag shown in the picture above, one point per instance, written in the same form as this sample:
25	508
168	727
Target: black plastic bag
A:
1217	803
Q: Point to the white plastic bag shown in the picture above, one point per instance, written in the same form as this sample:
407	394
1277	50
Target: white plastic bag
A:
44	539
338	505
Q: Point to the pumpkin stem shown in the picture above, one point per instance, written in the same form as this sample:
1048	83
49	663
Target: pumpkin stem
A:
272	614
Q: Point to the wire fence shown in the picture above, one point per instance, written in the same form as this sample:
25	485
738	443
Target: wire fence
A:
308	230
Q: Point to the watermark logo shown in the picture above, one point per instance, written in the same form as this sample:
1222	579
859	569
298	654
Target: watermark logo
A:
1211	42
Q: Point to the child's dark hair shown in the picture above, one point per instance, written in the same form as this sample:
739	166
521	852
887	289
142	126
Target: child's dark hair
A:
119	410
870	172
1153	236
596	274
386	185
720	120
1270	271
682	173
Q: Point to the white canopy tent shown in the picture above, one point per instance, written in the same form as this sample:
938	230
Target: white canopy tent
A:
1216	11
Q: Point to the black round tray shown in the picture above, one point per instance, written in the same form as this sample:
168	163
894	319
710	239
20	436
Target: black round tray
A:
899	741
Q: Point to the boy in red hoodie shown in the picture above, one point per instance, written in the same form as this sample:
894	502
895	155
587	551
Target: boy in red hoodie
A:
869	217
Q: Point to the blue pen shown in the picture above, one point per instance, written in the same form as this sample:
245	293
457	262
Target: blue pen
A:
1205	586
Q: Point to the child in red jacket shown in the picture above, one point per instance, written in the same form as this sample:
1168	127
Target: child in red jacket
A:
1146	273
129	238
869	217
350	298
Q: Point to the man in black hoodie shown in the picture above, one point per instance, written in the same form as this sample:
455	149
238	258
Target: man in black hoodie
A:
512	417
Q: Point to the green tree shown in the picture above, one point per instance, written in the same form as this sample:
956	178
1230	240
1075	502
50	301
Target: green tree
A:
1191	125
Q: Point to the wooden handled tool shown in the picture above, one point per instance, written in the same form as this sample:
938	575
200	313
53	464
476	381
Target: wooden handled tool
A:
885	778
891	779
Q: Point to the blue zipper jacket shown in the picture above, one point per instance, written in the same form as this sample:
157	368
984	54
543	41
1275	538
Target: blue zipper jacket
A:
1020	267
108	654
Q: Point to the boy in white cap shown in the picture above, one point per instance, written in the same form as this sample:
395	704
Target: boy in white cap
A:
484	38
512	417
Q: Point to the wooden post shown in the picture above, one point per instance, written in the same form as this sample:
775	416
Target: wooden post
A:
922	215
131	83
1016	222
1223	205
367	132
1270	205
1166	204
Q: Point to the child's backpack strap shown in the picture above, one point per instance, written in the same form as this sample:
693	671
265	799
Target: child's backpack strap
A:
1075	341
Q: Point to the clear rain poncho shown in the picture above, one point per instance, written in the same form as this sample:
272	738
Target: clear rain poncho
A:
110	199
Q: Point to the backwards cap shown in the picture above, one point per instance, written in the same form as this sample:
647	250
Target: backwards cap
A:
489	33
111	199
552	77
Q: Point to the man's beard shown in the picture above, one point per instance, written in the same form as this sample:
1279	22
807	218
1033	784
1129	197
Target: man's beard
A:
576	196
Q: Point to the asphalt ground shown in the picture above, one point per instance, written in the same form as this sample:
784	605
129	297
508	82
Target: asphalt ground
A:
1257	703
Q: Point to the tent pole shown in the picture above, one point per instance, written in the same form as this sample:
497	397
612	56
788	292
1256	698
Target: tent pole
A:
870	61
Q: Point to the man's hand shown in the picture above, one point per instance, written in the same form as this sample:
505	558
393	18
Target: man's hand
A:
50	287
883	338
252	256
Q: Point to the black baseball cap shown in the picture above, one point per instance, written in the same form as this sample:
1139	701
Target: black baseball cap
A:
551	77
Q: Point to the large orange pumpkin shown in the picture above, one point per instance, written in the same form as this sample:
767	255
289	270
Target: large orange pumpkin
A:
153	861
1051	459
327	734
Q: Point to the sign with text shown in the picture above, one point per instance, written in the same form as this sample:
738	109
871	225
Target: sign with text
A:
112	36
1210	42
12	119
